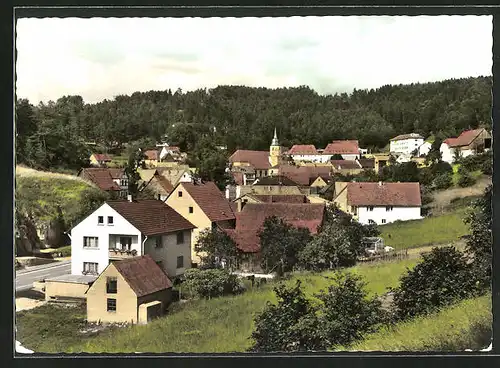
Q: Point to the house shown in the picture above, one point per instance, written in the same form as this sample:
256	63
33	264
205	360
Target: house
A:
366	163
271	185
202	204
135	290
468	143
346	167
348	149
251	219
125	228
305	175
380	160
379	203
159	185
99	159
151	158
107	179
304	152
170	153
424	149
406	143
269	198
176	175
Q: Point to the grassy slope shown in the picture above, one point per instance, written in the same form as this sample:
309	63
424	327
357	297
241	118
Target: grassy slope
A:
217	325
442	229
466	325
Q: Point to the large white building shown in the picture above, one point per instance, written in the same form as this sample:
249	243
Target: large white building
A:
406	143
348	149
379	203
125	228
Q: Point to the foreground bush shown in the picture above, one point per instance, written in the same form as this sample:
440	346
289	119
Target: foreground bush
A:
443	277
466	325
211	283
443	181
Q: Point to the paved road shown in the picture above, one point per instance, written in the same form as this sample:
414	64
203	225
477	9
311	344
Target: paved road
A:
25	278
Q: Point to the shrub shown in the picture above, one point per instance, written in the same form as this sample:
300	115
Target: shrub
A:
442	277
211	283
443	181
465	178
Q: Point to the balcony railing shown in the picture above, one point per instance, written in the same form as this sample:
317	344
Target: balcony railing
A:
117	253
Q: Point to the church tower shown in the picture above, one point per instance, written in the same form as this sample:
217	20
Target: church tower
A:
274	151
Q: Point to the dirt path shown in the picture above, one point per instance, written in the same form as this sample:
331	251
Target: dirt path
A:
417	252
443	199
28	303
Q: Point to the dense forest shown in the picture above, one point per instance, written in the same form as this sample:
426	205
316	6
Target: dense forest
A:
53	135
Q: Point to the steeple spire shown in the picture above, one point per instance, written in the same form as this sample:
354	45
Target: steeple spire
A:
275	139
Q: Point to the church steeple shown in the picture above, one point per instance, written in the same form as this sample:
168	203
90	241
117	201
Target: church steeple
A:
275	139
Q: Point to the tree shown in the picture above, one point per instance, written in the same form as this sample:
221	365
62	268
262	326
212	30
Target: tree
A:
457	155
347	311
443	181
480	241
280	244
288	326
434	155
465	178
215	245
135	161
443	277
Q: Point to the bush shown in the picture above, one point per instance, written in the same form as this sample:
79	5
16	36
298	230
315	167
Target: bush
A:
211	283
443	277
465	178
443	181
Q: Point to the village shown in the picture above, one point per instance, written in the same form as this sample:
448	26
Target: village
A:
129	257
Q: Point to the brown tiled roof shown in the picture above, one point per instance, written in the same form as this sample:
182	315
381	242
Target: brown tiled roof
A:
250	220
151	154
464	139
276	180
102	157
385	194
211	200
151	216
342	147
302	149
407	136
160	184
345	164
143	275
258	159
285	198
304	175
102	177
367	163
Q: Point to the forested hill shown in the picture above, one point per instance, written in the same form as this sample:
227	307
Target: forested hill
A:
245	117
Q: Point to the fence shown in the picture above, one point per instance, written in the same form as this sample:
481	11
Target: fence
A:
388	256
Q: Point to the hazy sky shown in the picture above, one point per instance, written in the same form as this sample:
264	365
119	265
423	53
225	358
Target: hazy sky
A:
103	57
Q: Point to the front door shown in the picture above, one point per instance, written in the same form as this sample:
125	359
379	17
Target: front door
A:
125	242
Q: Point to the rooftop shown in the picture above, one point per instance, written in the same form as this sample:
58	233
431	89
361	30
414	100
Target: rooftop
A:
384	194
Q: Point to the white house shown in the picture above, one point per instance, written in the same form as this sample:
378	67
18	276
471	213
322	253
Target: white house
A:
348	149
406	143
379	203
126	228
424	149
466	144
306	153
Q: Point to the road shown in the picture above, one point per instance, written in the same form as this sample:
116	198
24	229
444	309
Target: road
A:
25	278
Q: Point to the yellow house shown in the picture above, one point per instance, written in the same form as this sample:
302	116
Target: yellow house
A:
135	290
320	182
99	159
204	205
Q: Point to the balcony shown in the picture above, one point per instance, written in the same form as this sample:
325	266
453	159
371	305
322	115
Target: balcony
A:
117	254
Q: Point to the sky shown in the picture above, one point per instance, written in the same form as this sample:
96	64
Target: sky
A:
100	58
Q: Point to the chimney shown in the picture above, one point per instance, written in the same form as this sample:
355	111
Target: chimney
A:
129	197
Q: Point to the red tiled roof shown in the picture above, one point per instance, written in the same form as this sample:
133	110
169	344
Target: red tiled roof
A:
367	163
102	177
250	220
211	200
258	159
143	275
102	157
285	198
464	139
303	149
151	216
342	147
304	175
345	164
407	136
387	194
163	182
151	154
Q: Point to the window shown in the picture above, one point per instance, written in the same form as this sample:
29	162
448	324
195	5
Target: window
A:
383	221
159	242
180	237
111	285
179	193
370	208
125	242
111	305
90	267
388	208
180	262
90	242
123	183
191	209
110	220
100	220
371	222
